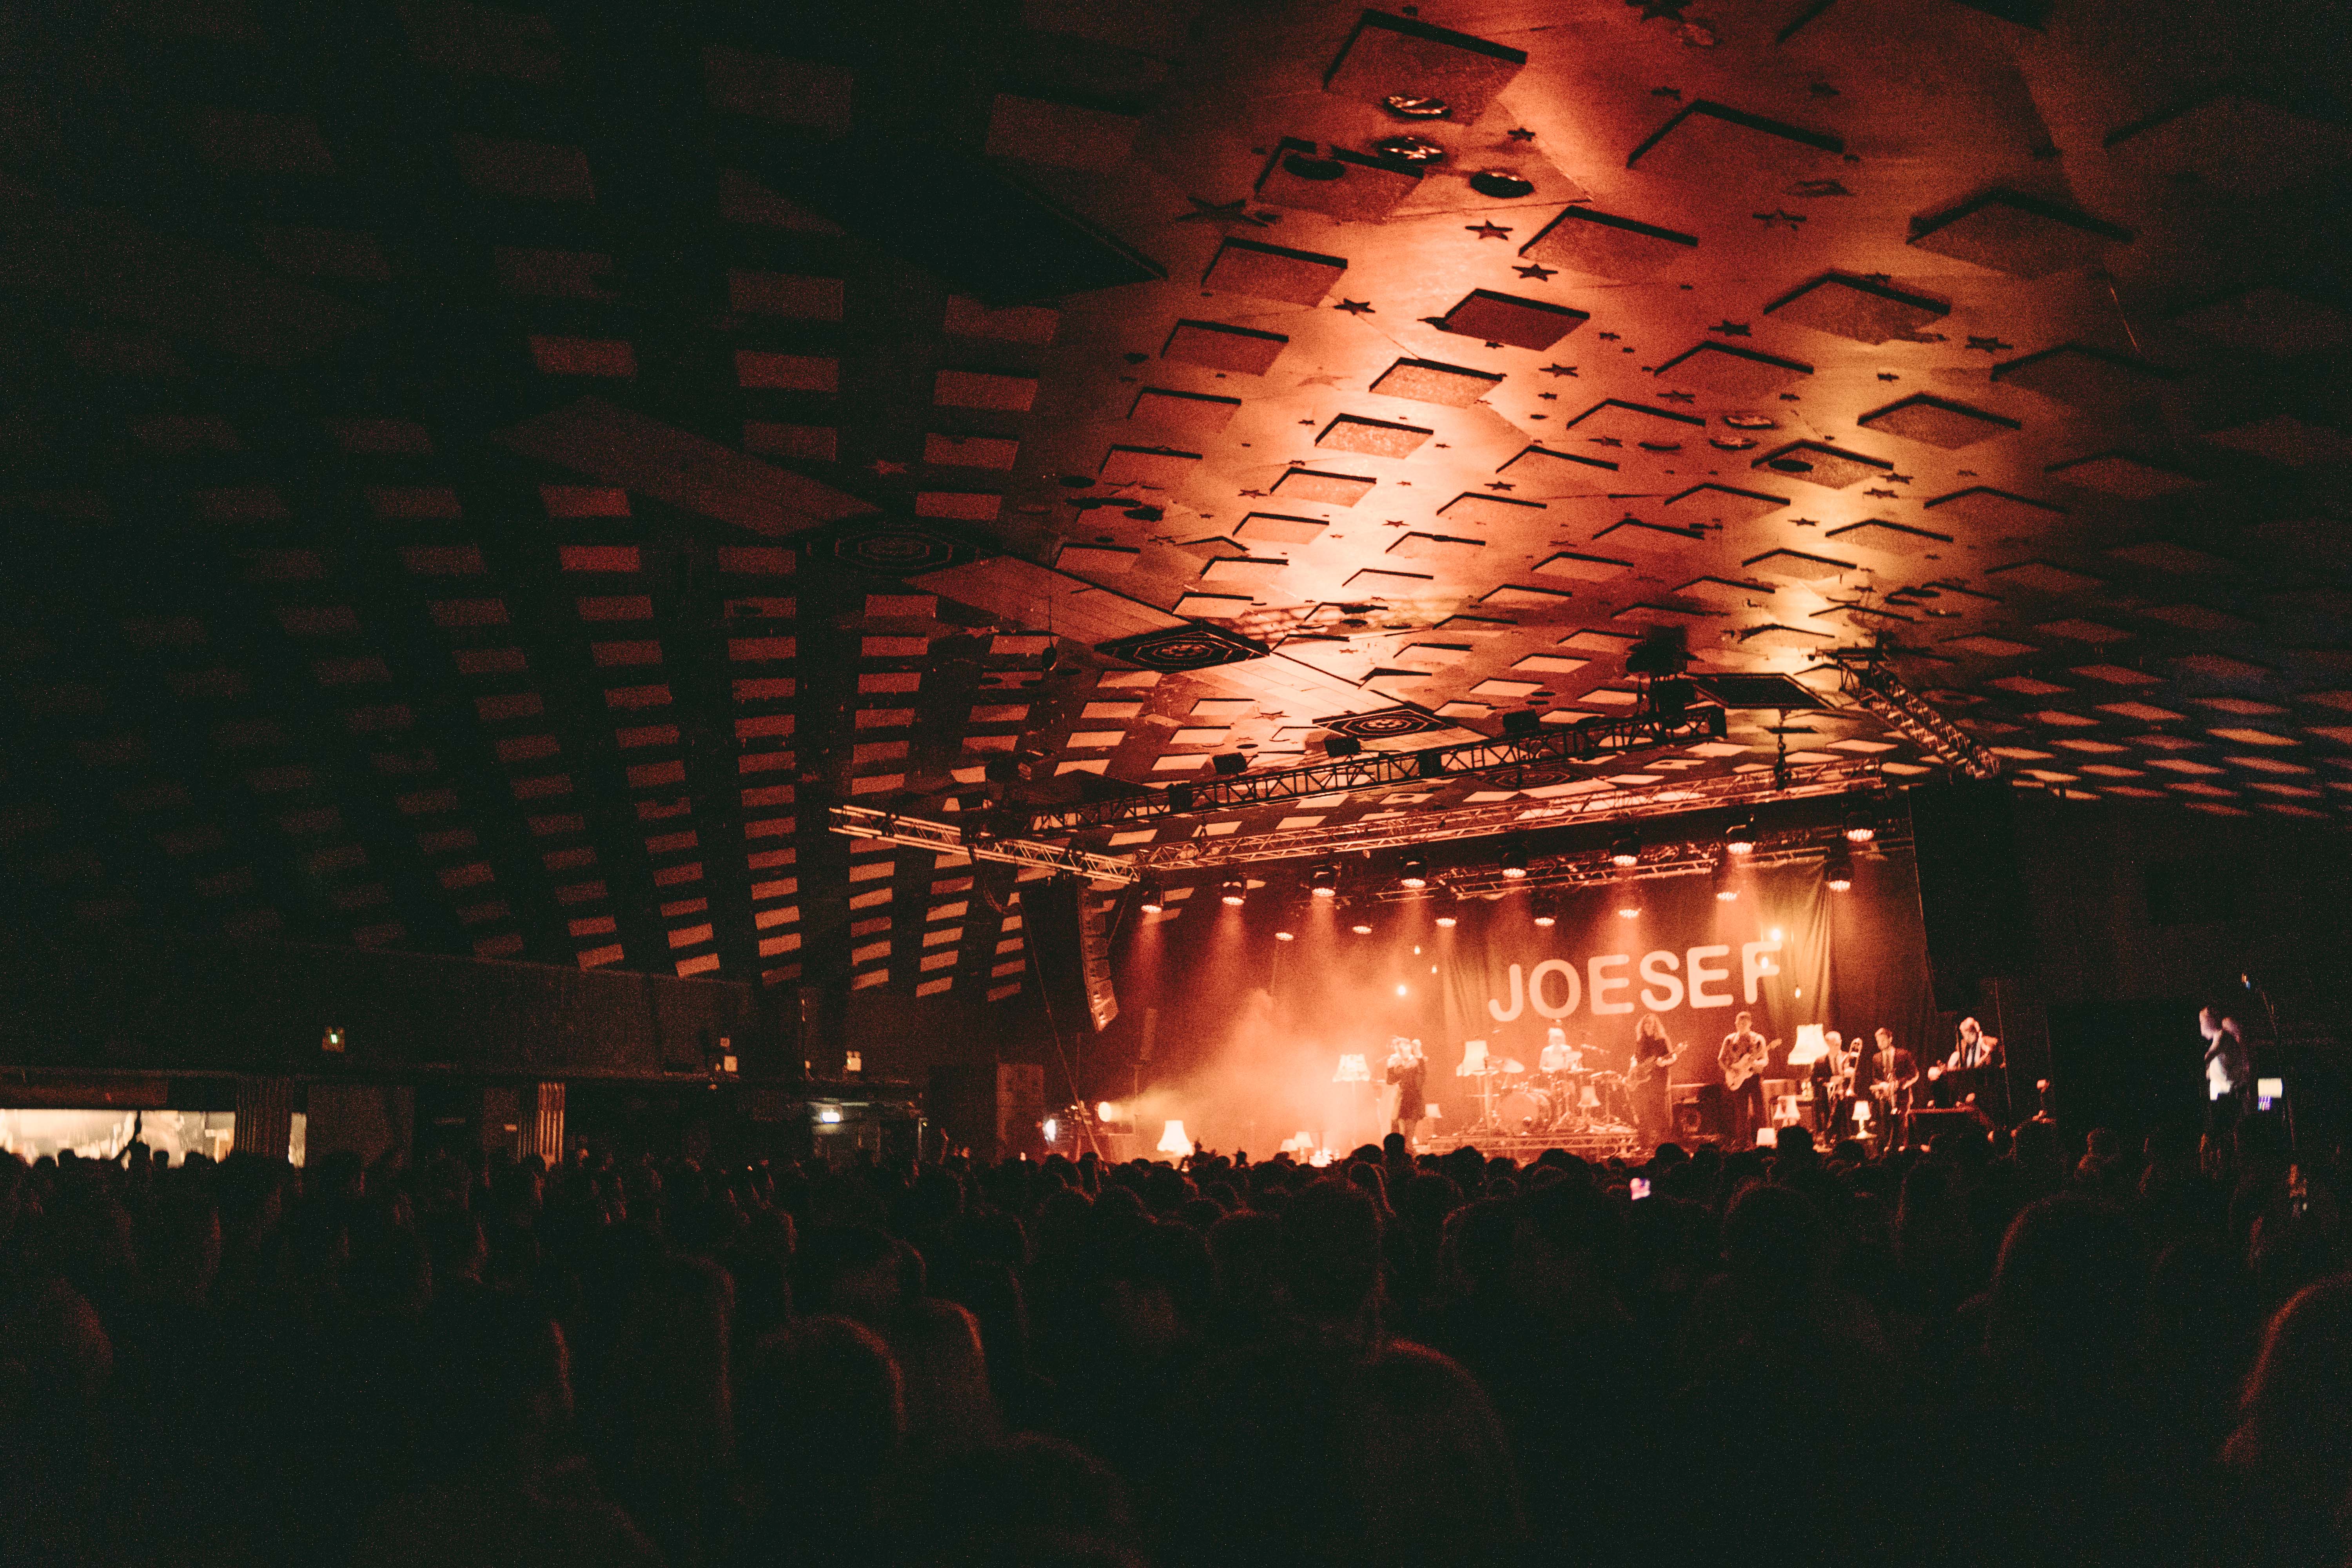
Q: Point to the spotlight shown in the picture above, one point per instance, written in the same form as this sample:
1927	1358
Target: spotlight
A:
1228	763
1449	913
1154	901
1282	936
1430	765
1837	868
1324	881
1233	893
1725	889
1860	827
1625	853
1521	721
1545	918
1515	862
1627	908
1342	745
1740	836
1108	1111
1360	928
1415	873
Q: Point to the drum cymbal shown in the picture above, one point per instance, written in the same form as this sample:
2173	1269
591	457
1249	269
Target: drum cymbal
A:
1511	1065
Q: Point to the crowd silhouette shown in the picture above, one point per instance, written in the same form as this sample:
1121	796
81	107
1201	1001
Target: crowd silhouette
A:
1998	1350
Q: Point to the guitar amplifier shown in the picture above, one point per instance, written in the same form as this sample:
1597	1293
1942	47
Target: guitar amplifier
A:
1946	1127
1698	1109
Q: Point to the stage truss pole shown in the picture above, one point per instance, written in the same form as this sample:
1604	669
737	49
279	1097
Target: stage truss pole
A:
921	832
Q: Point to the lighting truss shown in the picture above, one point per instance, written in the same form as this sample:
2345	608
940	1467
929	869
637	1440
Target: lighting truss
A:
859	822
1504	758
1870	683
1410	827
1695	856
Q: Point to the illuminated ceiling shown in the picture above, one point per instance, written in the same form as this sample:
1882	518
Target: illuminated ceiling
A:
482	481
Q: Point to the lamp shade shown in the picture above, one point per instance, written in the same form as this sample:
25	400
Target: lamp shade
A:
1172	1140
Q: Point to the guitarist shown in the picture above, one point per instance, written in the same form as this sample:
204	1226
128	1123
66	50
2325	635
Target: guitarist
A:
1647	1078
1742	1056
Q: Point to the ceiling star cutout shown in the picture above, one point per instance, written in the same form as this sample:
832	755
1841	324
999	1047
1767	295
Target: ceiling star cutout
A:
1730	329
1225	212
1488	230
1355	307
1520	133
1559	369
1898	478
1776	219
884	466
1497	485
1549	396
1537	270
1989	345
1606	441
1882	495
1679	396
1673	92
1888	376
1259	493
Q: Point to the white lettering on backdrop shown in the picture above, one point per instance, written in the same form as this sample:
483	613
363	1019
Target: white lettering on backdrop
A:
1662	990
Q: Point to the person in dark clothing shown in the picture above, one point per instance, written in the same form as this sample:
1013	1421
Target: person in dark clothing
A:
1408	1071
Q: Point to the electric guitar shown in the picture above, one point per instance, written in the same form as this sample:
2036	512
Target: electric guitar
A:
1747	1065
1641	1069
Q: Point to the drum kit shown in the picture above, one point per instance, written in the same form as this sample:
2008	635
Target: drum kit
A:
1518	1103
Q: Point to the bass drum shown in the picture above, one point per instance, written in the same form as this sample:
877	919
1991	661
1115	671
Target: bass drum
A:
1525	1110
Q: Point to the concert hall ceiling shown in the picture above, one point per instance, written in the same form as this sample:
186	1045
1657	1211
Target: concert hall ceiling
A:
485	480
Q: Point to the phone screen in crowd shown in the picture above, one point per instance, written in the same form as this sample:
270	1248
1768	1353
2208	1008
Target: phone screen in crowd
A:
1641	1187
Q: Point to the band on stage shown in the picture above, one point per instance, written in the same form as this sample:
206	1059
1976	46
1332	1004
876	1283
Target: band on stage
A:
1871	1090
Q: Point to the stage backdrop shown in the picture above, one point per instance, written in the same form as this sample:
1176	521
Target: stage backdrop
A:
1240	1035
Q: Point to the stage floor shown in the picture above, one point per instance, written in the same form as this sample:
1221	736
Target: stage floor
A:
1585	1143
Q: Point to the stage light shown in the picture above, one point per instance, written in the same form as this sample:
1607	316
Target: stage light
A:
1740	837
1774	933
1360	928
1449	913
1400	989
1430	765
1107	1110
1228	763
1415	873
1342	745
1629	911
1726	890
1626	852
1282	936
1154	901
1837	868
1546	916
1050	1128
1860	829
1324	881
1515	862
1233	893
